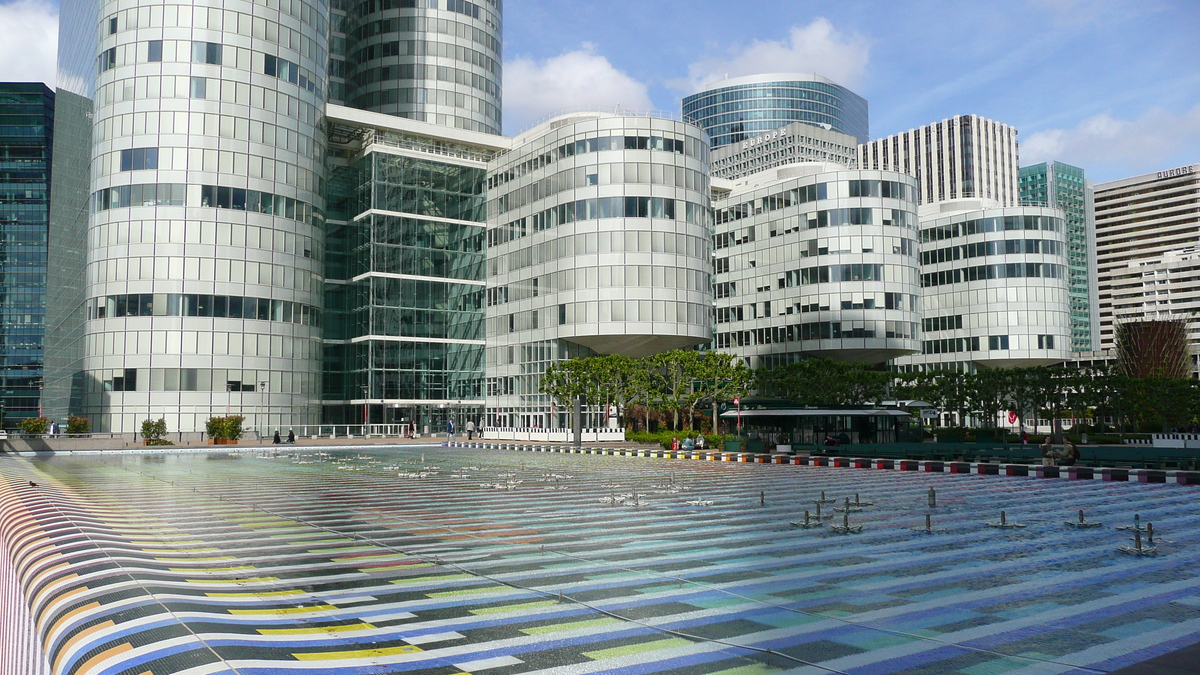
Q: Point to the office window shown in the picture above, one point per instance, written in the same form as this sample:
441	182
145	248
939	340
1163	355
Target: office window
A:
199	85
112	25
137	159
1045	342
154	50
108	59
997	342
206	52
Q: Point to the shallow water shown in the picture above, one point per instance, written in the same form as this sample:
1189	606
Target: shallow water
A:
377	562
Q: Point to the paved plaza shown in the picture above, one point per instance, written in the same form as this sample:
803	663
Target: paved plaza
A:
446	561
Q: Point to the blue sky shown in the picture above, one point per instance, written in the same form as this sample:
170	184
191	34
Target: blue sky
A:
1110	85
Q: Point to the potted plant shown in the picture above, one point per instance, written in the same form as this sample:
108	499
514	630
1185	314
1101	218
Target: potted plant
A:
78	425
153	432
224	430
35	426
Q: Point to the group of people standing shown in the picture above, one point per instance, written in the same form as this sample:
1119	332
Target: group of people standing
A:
470	430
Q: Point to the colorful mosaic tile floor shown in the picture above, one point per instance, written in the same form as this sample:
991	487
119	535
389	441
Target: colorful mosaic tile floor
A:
446	561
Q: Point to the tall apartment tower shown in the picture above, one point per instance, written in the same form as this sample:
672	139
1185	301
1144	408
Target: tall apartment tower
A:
598	242
1065	187
735	109
26	142
966	156
1148	251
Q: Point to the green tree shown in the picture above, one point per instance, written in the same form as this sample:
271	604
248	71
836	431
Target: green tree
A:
723	377
674	374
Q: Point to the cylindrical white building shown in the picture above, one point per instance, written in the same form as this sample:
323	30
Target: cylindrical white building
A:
206	240
815	260
436	61
598	243
994	287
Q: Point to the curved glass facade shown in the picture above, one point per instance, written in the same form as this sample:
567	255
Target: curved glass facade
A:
816	261
207	169
598	243
737	109
436	61
994	289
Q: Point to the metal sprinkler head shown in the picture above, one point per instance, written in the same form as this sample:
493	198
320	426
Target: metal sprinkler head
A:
822	495
1150	533
856	502
1137	539
1081	515
1003	518
846	521
762	497
928	523
932	498
806	516
818	509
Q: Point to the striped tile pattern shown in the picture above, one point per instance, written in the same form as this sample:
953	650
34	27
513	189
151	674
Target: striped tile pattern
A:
500	562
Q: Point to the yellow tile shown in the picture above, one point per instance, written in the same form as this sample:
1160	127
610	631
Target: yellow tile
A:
357	654
318	630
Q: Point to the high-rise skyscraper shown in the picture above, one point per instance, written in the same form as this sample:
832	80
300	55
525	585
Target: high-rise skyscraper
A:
735	109
966	156
1065	187
1148	251
205	284
26	132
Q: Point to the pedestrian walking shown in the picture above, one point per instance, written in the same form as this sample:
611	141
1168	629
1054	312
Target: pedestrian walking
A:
449	430
470	429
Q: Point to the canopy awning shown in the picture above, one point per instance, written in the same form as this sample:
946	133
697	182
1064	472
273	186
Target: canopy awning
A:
819	412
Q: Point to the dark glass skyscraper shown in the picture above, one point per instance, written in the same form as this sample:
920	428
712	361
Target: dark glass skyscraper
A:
738	108
26	130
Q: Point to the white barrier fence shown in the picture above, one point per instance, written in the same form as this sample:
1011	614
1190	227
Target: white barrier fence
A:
1191	441
596	435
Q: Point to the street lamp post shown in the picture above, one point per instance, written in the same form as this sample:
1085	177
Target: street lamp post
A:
262	404
364	393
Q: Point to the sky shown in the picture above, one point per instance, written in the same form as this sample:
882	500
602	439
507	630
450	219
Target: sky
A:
1112	86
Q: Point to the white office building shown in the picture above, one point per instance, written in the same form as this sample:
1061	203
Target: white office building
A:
598	242
816	260
965	156
1148	250
993	287
789	144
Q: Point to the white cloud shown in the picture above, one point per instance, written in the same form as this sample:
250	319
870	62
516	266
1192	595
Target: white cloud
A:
1103	140
29	50
535	89
816	48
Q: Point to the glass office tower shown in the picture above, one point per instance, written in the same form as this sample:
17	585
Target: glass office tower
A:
738	108
26	132
1066	187
66	287
405	287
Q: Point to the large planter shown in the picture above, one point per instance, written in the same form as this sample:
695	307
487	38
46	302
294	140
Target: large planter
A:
222	441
